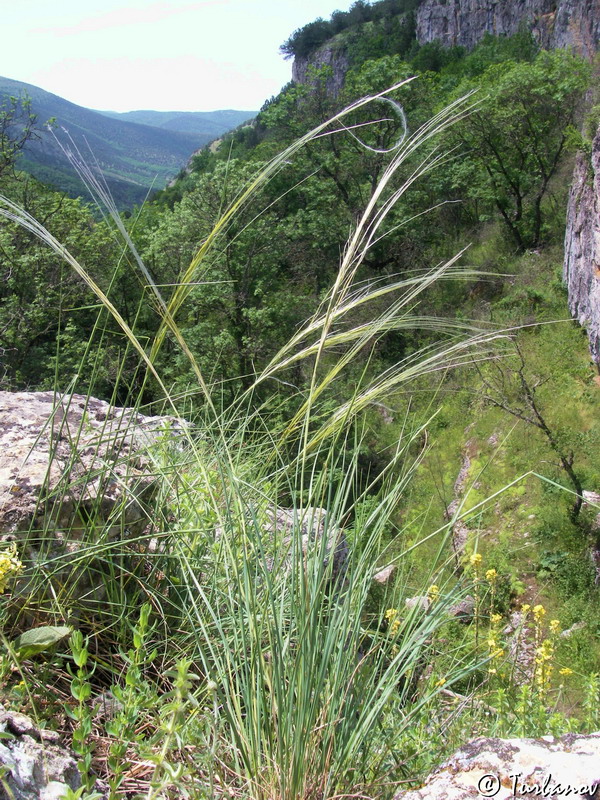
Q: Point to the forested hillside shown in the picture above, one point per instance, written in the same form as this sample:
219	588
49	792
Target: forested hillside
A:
208	124
135	155
377	536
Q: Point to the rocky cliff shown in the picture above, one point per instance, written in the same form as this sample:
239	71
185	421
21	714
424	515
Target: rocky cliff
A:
555	23
331	55
582	245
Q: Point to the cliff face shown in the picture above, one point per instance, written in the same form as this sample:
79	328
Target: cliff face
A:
582	246
555	23
329	55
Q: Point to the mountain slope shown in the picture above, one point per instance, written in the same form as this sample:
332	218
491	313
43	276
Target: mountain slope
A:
203	123
134	158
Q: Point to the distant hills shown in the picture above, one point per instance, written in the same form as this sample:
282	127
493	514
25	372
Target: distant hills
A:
202	123
136	151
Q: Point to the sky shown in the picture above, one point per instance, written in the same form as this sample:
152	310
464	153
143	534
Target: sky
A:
165	55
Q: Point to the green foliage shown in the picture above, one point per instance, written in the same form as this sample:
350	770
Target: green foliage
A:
38	640
515	140
45	309
313	382
386	36
81	690
17	127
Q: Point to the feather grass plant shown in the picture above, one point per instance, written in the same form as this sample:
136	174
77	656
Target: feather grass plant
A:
295	668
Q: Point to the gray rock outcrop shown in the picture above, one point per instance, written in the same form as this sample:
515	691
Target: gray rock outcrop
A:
330	55
313	525
581	271
509	768
573	24
73	470
35	765
566	23
64	458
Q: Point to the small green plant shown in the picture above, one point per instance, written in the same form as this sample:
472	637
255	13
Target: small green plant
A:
81	713
591	702
128	701
170	737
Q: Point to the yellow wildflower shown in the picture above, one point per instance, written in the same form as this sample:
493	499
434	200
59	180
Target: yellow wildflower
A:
496	618
394	623
491	575
538	611
525	608
554	626
475	560
433	592
10	566
565	671
545	651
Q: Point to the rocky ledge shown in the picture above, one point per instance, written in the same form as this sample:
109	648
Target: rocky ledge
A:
75	473
78	479
68	459
35	766
509	768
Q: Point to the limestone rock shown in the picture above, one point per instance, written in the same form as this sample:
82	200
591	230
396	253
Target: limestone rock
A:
419	601
464	610
329	55
581	270
500	768
37	767
566	24
578	626
313	524
384	576
64	457
72	465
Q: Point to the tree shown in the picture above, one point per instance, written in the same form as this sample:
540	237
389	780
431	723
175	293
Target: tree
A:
44	306
17	127
306	40
514	141
510	386
247	295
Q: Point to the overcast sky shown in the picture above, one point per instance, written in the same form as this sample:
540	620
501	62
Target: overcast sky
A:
167	55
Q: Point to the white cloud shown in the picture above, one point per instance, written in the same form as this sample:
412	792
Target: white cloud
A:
126	16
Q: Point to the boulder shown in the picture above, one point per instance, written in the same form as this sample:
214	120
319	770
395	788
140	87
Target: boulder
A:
464	610
312	524
509	768
66	459
386	575
35	766
74	472
419	601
